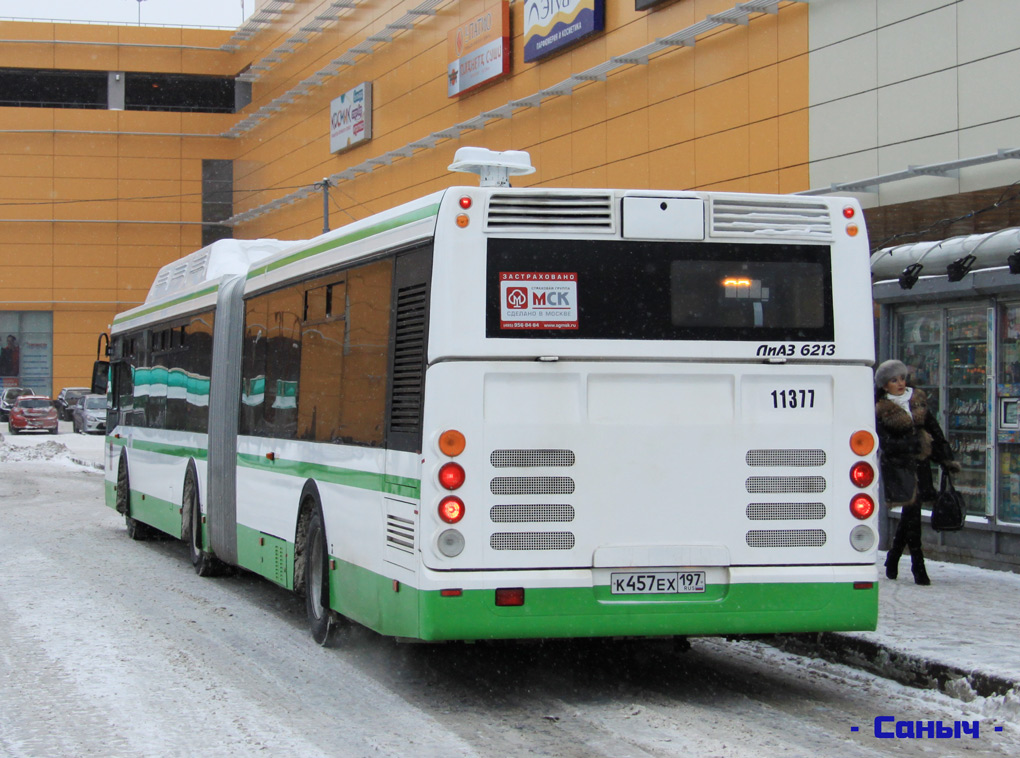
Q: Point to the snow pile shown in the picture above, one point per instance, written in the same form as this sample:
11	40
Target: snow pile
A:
45	451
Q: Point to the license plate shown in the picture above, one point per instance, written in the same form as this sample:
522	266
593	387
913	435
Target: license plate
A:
656	582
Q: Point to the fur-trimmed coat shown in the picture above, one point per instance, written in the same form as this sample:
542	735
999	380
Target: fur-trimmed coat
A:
907	442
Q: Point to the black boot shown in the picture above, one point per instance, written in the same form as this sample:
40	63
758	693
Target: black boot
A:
917	567
892	561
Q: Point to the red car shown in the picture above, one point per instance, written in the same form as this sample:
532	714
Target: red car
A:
32	412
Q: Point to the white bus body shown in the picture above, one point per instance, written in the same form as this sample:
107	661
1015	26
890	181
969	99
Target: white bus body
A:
660	445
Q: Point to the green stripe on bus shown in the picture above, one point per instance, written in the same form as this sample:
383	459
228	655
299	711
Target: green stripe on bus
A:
162	514
366	480
429	211
401	610
176	301
177	451
586	612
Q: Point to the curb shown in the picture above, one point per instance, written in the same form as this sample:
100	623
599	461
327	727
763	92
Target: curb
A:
88	464
904	668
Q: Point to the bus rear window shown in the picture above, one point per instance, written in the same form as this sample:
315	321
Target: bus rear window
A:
584	289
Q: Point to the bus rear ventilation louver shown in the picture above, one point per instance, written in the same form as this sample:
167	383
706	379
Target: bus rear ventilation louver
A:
400	533
408	360
785	458
531	458
528	513
531	485
785	511
784	484
529	211
749	217
531	541
785	538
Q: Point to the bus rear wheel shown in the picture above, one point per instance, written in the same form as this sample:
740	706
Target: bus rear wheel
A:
323	621
206	564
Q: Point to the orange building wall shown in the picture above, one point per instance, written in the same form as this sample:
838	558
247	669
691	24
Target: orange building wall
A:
729	113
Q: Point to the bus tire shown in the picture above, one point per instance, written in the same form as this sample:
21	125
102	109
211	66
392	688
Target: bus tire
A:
322	620
136	529
206	564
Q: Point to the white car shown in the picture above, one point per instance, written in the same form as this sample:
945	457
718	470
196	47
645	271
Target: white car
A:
8	397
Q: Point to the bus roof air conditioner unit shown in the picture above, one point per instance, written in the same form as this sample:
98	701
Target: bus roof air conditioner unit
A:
494	169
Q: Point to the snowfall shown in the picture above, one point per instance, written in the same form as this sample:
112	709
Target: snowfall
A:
115	648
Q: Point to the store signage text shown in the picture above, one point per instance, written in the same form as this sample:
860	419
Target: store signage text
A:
350	118
550	25
478	51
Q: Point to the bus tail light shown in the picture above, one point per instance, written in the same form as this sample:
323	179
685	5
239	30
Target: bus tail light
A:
510	596
450	543
862	538
862	474
862	506
451	476
862	442
451	509
452	443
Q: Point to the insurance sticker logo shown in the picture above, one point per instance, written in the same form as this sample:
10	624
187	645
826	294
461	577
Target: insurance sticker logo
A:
538	300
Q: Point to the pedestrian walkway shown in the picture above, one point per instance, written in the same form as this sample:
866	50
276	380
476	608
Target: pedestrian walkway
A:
960	635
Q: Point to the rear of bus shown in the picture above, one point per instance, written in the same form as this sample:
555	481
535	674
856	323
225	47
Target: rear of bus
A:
647	414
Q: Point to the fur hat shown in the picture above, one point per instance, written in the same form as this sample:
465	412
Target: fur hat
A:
889	370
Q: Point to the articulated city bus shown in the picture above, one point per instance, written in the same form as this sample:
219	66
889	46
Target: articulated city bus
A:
502	412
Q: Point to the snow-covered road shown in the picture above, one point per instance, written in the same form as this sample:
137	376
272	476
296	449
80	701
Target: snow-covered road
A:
116	648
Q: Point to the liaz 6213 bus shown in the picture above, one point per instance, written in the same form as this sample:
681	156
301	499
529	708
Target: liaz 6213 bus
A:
501	412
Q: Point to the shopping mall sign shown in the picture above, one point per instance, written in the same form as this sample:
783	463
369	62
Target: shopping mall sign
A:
478	51
550	25
350	118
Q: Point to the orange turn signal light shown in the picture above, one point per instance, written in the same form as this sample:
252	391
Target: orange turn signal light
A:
862	442
452	443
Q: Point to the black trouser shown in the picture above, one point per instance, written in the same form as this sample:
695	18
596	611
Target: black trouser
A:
908	532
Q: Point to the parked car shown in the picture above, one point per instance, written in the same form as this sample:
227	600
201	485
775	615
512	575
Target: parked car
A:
67	399
7	398
89	415
32	412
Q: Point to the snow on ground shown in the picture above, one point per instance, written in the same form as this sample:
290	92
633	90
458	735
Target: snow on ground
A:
148	653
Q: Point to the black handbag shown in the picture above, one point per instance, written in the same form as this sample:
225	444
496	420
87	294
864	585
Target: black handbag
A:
948	512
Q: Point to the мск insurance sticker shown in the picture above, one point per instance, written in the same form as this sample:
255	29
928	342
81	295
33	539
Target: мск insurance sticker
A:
537	300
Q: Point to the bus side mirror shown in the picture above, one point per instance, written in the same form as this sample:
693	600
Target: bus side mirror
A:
100	377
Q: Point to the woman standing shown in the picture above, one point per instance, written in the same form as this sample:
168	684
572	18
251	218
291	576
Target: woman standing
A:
908	438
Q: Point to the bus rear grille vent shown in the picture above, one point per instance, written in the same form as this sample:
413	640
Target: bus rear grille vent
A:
785	458
520	513
527	458
531	541
531	485
280	564
529	211
785	538
749	217
408	360
785	511
400	533
784	484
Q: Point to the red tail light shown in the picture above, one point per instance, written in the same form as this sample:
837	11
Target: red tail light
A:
862	474
451	509
510	596
451	476
862	506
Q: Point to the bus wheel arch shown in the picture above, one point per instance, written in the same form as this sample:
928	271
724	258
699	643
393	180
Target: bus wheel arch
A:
311	563
205	563
136	529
